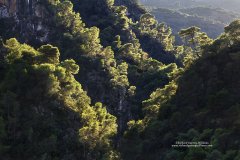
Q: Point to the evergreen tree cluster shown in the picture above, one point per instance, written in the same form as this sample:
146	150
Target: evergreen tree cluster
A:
103	80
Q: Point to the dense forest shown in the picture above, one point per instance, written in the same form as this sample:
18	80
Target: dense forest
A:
106	80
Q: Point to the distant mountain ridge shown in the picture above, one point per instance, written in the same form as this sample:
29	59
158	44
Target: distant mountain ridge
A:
214	14
211	17
178	20
232	5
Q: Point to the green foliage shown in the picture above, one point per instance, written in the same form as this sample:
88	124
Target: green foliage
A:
51	53
41	102
159	98
122	20
195	39
147	22
72	29
120	76
131	64
201	106
232	31
156	39
100	126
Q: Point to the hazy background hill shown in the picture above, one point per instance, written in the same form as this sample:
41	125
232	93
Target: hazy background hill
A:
213	14
178	20
226	4
176	4
210	16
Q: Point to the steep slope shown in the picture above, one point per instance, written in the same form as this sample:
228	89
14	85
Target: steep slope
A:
202	107
106	43
44	112
129	77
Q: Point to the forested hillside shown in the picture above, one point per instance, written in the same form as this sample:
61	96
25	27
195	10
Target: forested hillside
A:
104	80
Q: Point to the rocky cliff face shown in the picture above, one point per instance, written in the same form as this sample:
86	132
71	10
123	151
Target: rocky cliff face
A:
18	6
25	17
8	7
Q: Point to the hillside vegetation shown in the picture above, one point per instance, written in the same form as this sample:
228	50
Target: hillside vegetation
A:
105	80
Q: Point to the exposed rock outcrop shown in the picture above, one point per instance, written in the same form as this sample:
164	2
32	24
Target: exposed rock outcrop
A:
10	6
27	19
